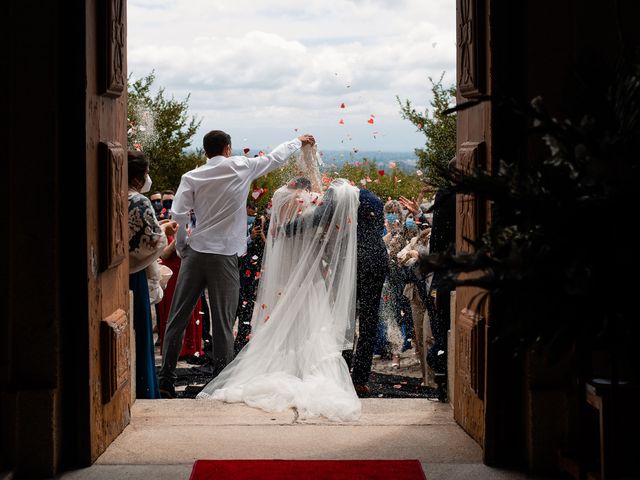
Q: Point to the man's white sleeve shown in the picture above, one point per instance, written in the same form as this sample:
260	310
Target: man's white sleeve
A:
277	158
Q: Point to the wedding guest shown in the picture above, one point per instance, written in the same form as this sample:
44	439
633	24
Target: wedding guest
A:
443	239
147	238
250	266
416	290
167	203
156	201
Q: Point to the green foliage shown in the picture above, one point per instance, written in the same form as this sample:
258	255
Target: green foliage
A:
439	130
162	128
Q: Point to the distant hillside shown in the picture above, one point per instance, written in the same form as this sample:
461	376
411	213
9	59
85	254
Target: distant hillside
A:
405	160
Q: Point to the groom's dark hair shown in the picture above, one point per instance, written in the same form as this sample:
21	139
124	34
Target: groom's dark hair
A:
215	142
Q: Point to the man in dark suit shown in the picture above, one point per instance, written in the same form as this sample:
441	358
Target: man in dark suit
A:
443	239
372	266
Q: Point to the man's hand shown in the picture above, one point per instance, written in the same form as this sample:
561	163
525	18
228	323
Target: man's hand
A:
307	139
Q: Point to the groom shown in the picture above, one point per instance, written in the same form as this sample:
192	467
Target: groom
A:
217	193
372	265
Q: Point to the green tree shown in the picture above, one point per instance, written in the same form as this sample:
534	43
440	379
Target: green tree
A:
162	128
439	129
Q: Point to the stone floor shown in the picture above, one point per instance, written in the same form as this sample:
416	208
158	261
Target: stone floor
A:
165	437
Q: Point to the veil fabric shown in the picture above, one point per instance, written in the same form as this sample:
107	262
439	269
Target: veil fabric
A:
304	313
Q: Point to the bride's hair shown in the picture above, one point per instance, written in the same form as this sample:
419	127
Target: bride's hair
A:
300	183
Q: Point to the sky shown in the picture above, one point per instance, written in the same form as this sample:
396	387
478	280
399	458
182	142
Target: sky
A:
268	71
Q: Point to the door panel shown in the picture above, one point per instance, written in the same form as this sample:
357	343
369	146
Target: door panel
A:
470	318
107	232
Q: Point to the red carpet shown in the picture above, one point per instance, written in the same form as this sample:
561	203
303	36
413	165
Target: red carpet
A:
307	469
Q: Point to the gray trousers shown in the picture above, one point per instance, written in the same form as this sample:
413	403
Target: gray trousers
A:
220	275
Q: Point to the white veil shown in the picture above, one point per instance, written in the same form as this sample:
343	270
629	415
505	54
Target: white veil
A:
304	313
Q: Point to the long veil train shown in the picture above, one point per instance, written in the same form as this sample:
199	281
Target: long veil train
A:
305	305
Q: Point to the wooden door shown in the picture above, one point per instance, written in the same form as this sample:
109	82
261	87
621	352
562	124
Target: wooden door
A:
110	342
469	320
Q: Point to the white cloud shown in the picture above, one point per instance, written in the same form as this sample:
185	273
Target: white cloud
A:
261	69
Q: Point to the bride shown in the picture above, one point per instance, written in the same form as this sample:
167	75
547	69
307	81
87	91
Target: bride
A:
304	310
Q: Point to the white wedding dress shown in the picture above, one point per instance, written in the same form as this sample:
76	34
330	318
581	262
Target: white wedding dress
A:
305	307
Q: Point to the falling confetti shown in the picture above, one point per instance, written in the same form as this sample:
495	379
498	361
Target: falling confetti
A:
247	273
370	121
246	150
341	122
263	306
342	105
257	193
267	318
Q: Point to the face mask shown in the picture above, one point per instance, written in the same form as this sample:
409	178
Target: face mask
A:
392	217
250	220
147	184
157	205
410	223
167	204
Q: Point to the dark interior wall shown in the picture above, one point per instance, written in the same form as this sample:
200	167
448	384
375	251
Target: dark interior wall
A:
562	52
44	312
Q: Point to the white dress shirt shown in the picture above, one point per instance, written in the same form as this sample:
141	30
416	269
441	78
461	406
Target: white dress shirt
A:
217	192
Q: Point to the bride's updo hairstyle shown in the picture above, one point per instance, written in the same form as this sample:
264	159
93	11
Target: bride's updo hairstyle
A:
215	142
300	183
